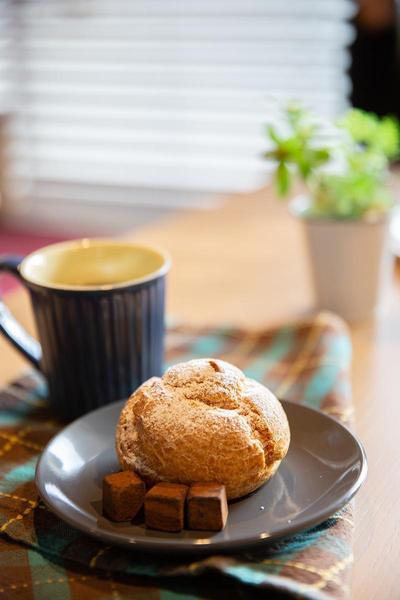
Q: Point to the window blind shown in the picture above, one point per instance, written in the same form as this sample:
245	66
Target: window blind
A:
164	94
5	75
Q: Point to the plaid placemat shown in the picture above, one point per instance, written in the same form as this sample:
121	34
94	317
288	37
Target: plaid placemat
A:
42	557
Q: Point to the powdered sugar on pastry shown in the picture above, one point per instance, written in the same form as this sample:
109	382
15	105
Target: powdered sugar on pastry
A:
203	421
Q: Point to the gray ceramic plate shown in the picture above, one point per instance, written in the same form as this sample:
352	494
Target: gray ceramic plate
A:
324	468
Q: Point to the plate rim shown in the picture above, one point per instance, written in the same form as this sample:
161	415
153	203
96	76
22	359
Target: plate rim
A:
179	545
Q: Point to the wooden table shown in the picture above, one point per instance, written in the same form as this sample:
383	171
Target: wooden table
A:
245	263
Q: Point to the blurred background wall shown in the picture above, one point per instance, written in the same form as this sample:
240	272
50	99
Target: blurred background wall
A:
116	112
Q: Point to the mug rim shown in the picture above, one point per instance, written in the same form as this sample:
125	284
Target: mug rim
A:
93	242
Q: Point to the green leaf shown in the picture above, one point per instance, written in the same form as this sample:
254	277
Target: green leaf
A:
273	134
389	137
321	155
283	179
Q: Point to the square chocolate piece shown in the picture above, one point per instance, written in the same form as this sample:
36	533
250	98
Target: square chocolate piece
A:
123	495
207	506
164	506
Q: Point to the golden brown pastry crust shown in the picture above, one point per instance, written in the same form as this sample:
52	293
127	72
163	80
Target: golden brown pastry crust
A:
203	421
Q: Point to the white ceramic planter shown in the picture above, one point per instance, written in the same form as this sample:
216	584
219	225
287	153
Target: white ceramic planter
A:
350	262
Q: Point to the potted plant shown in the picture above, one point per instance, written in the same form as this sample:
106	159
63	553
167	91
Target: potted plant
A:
346	209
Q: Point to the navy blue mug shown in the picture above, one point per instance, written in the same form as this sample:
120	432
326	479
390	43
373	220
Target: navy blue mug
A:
99	313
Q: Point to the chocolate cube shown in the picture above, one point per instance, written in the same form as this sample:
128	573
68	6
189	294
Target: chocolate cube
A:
164	506
207	506
123	495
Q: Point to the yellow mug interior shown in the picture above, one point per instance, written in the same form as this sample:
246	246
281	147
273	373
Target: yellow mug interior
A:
91	264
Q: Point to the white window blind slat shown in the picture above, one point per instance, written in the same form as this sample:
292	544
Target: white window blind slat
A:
141	122
192	52
71	137
113	97
221	28
282	78
194	76
335	9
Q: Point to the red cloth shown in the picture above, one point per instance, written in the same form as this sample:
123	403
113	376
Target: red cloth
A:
17	241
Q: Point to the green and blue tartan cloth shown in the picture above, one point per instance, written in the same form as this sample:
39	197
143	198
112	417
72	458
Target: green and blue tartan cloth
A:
42	557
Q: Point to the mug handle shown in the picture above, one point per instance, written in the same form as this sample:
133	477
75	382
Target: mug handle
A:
9	326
